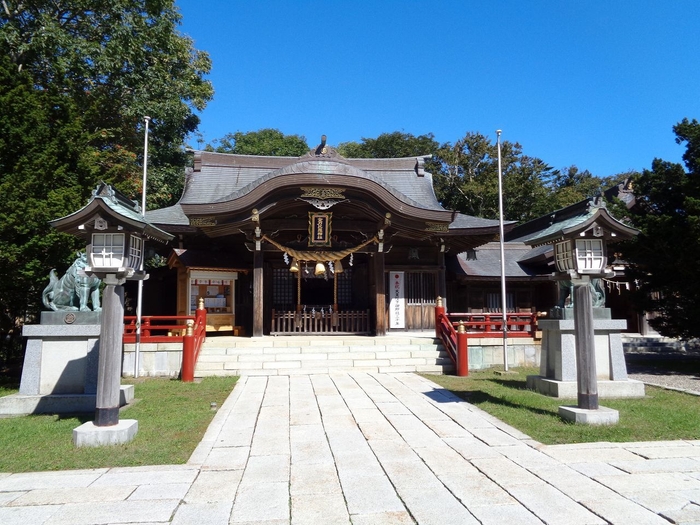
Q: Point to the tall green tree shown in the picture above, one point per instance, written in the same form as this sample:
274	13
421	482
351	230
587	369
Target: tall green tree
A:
390	146
76	79
467	179
116	61
571	185
665	257
271	142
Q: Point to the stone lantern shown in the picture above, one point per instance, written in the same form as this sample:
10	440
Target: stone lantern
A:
579	236
116	231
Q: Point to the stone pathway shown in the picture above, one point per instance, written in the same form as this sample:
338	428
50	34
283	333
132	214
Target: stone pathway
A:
369	449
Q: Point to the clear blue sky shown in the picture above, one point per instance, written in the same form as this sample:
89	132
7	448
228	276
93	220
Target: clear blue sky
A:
596	84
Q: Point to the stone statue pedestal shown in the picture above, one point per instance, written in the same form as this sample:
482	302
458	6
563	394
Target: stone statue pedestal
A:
558	357
60	367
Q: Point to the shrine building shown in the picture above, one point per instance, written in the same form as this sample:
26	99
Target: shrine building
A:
322	244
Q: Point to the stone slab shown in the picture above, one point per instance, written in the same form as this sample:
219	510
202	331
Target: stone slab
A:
568	313
565	325
24	405
602	416
89	435
629	388
53	330
71	318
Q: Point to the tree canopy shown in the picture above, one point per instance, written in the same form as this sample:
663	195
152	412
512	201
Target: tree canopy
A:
76	80
665	257
271	142
390	145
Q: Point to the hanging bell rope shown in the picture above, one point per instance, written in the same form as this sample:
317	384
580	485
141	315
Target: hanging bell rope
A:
321	256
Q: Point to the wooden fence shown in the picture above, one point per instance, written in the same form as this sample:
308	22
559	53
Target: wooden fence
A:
355	322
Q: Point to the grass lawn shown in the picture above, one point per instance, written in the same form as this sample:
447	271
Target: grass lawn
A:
172	417
660	415
8	386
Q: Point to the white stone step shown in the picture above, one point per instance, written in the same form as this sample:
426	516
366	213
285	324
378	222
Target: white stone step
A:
304	355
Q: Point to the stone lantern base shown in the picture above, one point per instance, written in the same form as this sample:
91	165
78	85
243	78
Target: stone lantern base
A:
60	367
558	358
600	416
90	435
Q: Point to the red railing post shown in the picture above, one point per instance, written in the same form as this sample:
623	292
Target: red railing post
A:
200	314
146	327
462	353
439	312
188	358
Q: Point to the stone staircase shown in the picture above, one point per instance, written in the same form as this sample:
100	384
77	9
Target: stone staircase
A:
288	355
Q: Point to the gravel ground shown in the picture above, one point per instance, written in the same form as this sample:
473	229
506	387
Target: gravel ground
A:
677	371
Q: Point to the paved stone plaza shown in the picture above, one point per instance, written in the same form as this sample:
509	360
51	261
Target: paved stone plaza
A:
369	449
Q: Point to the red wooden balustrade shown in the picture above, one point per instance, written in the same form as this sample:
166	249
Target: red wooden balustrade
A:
454	329
192	343
157	328
190	330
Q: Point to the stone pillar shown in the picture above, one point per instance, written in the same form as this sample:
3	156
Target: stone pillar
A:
587	376
109	361
258	294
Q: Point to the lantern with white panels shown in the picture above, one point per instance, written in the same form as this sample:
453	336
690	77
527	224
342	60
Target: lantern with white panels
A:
115	231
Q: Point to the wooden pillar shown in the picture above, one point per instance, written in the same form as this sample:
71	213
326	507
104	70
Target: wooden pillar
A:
109	360
258	294
441	279
587	376
380	294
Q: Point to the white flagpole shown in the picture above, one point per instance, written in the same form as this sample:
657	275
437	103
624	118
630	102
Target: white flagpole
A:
503	259
137	346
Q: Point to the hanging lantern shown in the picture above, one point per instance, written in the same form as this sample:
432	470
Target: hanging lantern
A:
320	268
294	268
338	266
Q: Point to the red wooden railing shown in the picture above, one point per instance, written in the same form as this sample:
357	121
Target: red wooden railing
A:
455	328
455	343
157	328
190	330
192	343
520	324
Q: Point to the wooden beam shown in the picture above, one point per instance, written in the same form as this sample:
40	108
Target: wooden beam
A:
258	294
380	293
441	279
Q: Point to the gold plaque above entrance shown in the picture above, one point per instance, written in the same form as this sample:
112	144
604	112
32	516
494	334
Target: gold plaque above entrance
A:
320	228
437	227
202	221
323	193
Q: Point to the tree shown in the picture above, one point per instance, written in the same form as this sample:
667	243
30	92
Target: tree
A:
271	142
76	80
390	145
665	257
467	179
571	185
116	62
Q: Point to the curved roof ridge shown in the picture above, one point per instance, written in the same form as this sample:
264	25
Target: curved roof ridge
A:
346	170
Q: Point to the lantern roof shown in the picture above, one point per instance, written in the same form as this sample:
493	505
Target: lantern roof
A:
577	220
117	209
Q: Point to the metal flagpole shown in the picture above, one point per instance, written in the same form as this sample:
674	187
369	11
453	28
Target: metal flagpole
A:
503	259
137	346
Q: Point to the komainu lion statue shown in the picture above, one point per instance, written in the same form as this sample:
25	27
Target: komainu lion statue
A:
72	291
